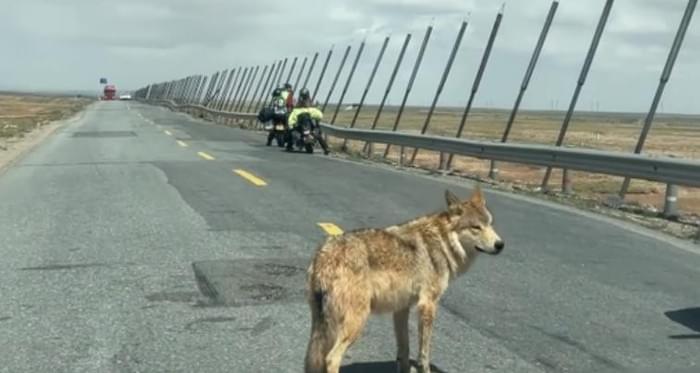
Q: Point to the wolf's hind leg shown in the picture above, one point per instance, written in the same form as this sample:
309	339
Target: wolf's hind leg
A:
351	314
402	343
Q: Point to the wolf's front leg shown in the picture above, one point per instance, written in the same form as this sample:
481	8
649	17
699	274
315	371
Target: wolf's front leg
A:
402	345
426	316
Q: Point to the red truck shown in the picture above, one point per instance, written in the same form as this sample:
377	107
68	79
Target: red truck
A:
110	92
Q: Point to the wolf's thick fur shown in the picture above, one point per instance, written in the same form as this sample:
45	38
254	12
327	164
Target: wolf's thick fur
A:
391	270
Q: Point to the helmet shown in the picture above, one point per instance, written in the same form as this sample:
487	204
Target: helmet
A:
304	93
277	92
287	86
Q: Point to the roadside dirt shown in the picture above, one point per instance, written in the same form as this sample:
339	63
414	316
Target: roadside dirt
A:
26	120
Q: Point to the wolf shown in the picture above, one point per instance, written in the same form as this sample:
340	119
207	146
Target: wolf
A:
391	270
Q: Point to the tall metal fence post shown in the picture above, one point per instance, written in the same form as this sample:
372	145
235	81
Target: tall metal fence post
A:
284	67
369	82
274	84
416	67
369	85
335	81
195	87
250	86
347	83
210	87
229	94
577	91
275	78
390	84
323	73
493	170
301	72
665	76
241	82
445	74
264	91
227	87
479	76
217	91
291	70
257	88
219	87
311	69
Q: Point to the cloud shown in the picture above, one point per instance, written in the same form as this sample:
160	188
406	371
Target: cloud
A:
70	44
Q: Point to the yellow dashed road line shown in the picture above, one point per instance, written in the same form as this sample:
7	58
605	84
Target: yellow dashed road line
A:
331	229
206	156
250	177
182	143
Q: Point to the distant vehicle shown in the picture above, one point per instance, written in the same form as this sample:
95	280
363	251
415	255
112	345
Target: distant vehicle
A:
110	92
125	97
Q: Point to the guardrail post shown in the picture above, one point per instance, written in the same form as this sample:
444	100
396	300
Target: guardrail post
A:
493	172
671	202
665	76
442	161
412	79
566	182
401	156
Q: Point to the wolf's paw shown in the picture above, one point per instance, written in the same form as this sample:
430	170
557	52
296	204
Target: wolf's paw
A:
406	367
423	367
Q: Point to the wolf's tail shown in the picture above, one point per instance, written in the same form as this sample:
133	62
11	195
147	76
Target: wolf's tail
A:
319	341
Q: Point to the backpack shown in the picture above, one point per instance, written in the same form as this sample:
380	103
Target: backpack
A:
279	109
266	114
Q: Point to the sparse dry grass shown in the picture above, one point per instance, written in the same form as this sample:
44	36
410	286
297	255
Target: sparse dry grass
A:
674	135
20	114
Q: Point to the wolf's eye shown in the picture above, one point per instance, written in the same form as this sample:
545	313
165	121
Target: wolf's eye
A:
476	227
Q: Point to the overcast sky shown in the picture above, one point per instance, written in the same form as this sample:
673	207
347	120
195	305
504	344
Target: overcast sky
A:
70	44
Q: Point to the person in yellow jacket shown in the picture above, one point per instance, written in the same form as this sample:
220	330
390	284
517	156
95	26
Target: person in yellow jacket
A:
306	112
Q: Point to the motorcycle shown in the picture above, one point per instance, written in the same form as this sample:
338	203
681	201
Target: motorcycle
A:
274	124
276	131
305	137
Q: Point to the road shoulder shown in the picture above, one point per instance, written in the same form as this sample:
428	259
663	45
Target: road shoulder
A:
15	149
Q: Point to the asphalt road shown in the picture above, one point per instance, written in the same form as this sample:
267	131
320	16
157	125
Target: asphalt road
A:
130	244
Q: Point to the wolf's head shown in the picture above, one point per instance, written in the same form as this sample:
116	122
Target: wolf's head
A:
473	223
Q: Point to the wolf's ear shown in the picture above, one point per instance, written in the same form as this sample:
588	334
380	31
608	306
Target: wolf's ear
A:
477	197
452	200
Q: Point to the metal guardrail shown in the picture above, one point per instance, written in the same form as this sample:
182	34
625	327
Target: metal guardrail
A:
654	168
